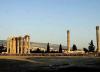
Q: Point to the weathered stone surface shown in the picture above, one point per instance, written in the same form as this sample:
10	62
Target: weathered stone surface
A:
18	45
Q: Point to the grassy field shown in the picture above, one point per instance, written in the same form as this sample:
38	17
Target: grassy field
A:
51	64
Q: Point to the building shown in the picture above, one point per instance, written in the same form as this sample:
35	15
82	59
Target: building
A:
18	45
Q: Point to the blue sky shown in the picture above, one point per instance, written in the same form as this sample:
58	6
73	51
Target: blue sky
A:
48	20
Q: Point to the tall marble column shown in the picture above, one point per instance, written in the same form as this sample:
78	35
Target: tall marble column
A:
20	45
98	39
15	47
27	44
23	45
68	40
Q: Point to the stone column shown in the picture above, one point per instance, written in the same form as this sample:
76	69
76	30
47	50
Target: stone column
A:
23	45
27	44
20	45
13	45
98	39
12	51
17	44
68	40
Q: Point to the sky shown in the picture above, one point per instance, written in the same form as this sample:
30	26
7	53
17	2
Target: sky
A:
48	20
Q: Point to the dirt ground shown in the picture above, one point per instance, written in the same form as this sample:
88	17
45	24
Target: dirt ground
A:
49	64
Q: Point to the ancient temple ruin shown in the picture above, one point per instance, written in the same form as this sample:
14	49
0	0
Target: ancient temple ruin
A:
18	45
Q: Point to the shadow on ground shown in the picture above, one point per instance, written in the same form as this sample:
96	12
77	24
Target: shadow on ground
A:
8	65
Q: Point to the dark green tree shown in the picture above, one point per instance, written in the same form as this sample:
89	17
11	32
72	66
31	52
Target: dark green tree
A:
74	48
91	46
85	50
38	50
60	48
48	48
2	48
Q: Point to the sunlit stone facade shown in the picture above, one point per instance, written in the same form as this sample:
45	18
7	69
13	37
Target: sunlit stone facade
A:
18	45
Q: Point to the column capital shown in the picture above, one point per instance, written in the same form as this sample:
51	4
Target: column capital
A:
97	27
68	31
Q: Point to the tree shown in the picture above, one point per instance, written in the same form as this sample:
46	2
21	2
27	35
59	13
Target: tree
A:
2	48
60	48
91	46
85	49
38	50
74	48
48	48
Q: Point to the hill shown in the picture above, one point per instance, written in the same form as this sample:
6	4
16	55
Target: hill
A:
39	45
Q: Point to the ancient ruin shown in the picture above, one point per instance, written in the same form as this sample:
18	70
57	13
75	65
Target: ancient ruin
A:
68	40
98	39
18	45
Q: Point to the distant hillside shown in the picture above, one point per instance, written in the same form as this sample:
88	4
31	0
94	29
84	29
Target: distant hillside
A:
35	44
44	45
3	42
